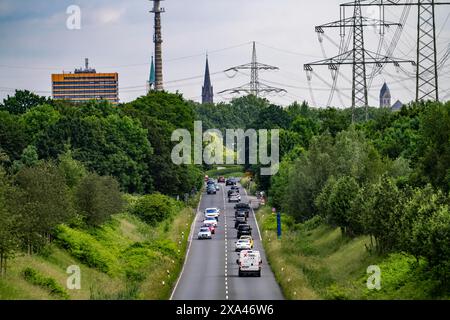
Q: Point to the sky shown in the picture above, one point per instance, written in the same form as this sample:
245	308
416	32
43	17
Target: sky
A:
117	36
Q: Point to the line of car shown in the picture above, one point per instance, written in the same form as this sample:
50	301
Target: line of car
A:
249	260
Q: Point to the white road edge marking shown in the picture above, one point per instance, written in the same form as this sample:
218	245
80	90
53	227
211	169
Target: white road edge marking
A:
191	236
254	216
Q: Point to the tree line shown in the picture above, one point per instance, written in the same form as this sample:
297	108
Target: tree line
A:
64	163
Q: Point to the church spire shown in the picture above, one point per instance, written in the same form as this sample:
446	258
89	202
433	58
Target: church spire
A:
207	89
152	77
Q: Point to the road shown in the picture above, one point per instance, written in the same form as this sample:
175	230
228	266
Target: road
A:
210	271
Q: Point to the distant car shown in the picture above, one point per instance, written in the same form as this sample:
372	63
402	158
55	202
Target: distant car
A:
230	182
235	189
234	198
243	244
249	238
211	228
240	214
210	220
217	187
211	189
221	179
212	212
206	178
242	207
249	262
244	230
204	233
239	220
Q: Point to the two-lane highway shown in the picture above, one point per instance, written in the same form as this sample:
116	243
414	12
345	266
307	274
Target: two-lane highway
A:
211	272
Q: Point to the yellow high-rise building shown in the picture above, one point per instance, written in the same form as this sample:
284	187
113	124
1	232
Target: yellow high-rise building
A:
86	84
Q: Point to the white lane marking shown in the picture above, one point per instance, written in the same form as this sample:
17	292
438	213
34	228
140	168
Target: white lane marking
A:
226	243
191	236
254	216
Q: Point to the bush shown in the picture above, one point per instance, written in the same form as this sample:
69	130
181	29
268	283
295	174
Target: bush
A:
155	208
87	249
34	277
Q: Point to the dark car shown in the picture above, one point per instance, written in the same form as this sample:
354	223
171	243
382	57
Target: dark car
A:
211	189
235	188
230	182
239	220
244	230
242	207
210	182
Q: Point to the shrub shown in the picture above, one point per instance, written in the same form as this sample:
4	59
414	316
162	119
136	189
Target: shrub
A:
34	277
86	248
155	208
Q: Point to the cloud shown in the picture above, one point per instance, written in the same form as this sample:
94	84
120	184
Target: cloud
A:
109	15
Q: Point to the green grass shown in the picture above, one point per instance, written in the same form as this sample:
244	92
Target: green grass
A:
315	261
227	171
124	259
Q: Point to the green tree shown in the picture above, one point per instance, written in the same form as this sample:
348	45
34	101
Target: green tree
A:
22	101
39	119
43	201
29	158
72	170
98	198
13	138
335	203
9	239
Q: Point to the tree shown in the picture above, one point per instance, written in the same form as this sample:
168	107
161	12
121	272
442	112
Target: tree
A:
433	152
13	138
382	211
22	101
39	119
72	170
29	158
335	204
115	145
43	201
9	239
98	198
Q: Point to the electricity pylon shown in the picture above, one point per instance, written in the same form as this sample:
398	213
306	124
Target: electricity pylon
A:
427	84
255	87
358	57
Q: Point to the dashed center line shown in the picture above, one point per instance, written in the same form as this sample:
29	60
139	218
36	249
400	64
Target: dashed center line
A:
226	243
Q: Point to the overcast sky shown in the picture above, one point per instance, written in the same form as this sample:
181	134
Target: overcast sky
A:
117	37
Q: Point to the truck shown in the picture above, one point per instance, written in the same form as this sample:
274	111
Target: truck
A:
250	263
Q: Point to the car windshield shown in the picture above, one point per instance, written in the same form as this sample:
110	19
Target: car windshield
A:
211	211
204	230
244	227
211	218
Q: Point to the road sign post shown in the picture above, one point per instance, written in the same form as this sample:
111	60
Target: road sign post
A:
279	225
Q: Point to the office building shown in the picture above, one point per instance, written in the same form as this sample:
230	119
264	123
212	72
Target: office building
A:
86	84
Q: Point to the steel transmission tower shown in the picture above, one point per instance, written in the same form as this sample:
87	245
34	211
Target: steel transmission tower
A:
255	87
358	57
157	39
427	87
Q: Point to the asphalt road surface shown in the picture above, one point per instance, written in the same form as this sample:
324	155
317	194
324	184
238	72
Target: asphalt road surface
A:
211	272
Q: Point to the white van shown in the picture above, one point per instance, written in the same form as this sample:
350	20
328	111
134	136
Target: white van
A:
249	263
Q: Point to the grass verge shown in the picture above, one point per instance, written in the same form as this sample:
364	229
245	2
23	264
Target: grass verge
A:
314	261
123	259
